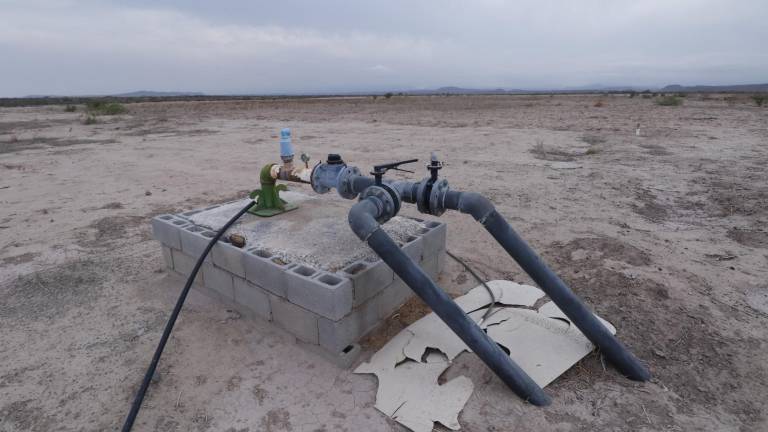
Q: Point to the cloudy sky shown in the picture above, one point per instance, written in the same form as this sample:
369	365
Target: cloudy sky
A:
292	46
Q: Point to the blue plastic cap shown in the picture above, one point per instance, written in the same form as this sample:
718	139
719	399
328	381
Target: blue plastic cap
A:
286	148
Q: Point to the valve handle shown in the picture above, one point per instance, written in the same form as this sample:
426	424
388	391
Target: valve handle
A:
379	170
434	166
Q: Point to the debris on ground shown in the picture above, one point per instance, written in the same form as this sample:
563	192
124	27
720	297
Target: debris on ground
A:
541	341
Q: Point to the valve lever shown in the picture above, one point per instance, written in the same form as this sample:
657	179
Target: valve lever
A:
379	170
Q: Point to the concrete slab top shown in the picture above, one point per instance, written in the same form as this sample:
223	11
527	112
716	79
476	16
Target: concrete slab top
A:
316	234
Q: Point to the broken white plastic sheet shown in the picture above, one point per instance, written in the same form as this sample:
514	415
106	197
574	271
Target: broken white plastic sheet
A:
542	342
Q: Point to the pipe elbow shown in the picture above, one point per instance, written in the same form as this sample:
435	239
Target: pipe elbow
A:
476	205
362	218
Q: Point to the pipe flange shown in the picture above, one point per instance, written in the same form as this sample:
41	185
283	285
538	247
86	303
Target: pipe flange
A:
314	179
437	197
386	199
422	200
344	187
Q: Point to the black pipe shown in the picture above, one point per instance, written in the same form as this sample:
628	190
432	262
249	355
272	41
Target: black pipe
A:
361	183
362	219
128	425
406	189
576	311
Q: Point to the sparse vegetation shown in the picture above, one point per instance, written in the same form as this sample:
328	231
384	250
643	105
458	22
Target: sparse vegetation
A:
669	101
598	104
388	95
90	119
760	99
98	107
594	142
70	108
632	94
593	139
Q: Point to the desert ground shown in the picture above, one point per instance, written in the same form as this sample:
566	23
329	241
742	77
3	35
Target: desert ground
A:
664	234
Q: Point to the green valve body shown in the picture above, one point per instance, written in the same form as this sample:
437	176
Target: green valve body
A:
268	201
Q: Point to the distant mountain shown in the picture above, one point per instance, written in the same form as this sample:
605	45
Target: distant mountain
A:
147	93
469	91
466	91
716	88
608	88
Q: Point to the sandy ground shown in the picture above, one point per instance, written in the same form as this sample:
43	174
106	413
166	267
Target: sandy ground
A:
664	234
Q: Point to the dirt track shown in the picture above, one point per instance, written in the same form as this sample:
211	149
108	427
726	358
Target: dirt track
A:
664	234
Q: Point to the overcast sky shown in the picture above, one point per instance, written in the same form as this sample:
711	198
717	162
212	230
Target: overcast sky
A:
248	46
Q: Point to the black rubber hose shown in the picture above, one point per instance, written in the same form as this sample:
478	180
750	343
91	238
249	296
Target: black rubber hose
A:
363	223
128	425
576	311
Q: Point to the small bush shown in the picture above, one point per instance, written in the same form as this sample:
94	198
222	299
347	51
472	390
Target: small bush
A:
598	104
387	95
760	99
669	101
70	108
98	107
646	96
632	94
90	119
113	109
593	139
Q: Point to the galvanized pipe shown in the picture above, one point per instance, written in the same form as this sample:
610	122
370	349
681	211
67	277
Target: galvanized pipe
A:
288	172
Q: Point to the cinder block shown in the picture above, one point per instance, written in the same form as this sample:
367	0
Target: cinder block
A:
165	228
218	280
368	279
326	294
392	297
187	215
168	257
183	264
433	264
266	271
217	297
335	336
295	319
414	248
228	257
194	240
434	234
252	297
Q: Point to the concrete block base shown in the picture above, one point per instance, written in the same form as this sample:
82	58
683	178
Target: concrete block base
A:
328	309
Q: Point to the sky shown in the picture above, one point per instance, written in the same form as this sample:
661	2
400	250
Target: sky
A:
50	47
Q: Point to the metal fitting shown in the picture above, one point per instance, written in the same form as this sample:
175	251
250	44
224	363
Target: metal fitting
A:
386	199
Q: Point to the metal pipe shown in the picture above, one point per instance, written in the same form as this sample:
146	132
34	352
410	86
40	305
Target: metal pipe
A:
577	312
362	220
288	172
